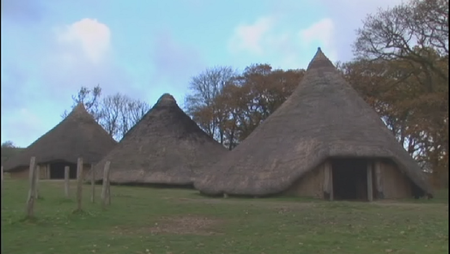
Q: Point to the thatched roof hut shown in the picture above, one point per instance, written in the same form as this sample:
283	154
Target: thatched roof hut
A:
78	135
325	141
166	147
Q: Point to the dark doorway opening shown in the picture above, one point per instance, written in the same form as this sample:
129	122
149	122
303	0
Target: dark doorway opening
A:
349	179
57	170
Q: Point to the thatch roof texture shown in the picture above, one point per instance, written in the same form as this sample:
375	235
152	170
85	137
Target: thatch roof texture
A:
165	147
78	135
323	118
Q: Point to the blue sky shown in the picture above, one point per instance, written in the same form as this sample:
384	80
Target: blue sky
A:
50	48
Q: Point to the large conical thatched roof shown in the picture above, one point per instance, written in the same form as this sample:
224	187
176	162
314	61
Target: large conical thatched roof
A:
164	147
323	118
78	135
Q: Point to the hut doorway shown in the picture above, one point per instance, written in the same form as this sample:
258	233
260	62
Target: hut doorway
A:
57	170
349	179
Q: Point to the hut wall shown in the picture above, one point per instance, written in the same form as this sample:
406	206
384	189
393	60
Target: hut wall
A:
395	184
44	172
309	185
22	173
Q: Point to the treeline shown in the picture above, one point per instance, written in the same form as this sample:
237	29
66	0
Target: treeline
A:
8	150
229	106
115	113
400	69
405	50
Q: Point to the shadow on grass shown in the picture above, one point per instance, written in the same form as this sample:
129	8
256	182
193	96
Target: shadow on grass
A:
440	197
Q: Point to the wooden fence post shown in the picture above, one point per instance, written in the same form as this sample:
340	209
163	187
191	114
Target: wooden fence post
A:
32	191
378	180
66	181
79	183
105	183
93	183
108	188
369	181
38	176
2	180
328	181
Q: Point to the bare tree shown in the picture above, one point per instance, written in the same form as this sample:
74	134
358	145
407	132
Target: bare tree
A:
412	39
115	113
90	98
407	31
119	113
200	103
132	112
111	111
136	110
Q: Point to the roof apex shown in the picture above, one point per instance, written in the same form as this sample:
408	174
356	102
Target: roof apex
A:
320	61
166	99
80	107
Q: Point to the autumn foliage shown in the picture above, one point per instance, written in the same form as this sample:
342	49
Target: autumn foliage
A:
236	104
400	69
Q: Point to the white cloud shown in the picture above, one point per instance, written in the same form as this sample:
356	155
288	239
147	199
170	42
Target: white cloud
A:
283	46
82	55
251	37
93	37
321	31
322	34
347	16
286	41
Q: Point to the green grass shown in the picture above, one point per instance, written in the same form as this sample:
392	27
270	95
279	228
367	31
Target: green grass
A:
147	220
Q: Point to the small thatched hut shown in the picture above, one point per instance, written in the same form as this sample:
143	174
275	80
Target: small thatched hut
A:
166	147
78	135
326	142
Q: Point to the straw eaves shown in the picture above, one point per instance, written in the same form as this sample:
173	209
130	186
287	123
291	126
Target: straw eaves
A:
77	135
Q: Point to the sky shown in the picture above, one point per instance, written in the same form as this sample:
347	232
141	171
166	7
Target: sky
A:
145	48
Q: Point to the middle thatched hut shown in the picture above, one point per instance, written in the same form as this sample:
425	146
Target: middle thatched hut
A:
166	147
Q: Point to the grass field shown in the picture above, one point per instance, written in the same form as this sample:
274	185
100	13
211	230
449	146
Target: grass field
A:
146	220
